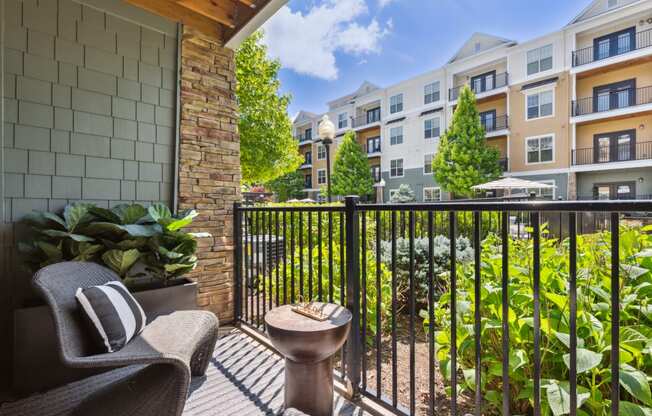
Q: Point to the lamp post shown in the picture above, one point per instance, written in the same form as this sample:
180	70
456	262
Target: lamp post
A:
327	134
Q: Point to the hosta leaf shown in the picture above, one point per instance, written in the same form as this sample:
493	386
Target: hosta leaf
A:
586	360
182	222
159	212
517	359
169	254
76	214
121	261
633	272
636	384
565	339
130	214
558	395
644	253
631	409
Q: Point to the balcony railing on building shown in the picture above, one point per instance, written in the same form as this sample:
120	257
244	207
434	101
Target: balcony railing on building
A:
492	124
504	163
498	81
615	100
623	45
372	149
301	138
612	153
365	119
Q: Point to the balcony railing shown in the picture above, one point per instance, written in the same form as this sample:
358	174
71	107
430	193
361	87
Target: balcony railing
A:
627	97
590	54
372	149
613	153
365	119
499	81
504	164
495	124
307	184
303	138
498	306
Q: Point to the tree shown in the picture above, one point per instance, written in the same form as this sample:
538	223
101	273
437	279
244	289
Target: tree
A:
351	173
287	186
404	195
464	159
267	148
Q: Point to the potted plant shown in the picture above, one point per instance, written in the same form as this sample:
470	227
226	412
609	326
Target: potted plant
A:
146	247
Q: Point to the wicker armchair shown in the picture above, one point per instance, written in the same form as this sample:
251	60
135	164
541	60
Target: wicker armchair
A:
174	347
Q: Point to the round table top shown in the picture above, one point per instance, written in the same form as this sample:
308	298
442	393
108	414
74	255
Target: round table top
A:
284	318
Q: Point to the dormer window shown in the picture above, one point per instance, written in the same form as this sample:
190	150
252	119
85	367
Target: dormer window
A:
478	45
612	3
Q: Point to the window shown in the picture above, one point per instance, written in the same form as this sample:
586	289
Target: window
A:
614	44
308	158
539	149
488	120
396	135
375	173
614	96
539	60
483	82
427	163
321	152
396	103
614	147
615	190
539	104
307	183
431	93
308	134
396	168
342	120
431	194
431	128
373	115
373	144
321	176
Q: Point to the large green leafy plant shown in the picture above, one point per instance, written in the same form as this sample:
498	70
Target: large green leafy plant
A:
593	325
119	238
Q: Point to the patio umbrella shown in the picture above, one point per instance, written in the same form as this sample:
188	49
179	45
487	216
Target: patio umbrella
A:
307	200
291	201
508	184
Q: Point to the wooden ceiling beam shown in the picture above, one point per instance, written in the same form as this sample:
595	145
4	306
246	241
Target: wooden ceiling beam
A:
221	11
173	11
249	3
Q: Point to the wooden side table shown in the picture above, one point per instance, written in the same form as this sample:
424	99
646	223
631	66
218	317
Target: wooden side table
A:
308	346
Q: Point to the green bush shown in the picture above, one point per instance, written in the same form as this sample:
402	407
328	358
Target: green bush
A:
119	238
593	325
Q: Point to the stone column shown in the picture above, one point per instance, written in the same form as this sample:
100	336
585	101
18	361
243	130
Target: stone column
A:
209	162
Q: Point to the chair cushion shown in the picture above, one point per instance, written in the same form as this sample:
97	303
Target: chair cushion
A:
115	316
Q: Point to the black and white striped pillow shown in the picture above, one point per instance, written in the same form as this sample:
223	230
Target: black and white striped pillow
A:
113	312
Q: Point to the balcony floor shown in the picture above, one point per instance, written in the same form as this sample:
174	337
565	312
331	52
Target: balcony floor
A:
245	378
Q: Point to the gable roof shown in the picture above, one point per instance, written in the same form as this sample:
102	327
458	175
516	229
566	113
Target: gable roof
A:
365	88
478	43
598	7
304	116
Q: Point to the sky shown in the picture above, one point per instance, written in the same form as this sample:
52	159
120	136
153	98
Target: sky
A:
327	48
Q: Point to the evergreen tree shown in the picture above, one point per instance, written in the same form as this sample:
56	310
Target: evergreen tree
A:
404	195
464	159
351	173
267	148
288	186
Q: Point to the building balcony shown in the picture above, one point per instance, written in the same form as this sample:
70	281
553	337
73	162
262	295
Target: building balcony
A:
504	164
306	165
634	47
365	120
303	139
497	126
619	103
372	151
497	85
616	154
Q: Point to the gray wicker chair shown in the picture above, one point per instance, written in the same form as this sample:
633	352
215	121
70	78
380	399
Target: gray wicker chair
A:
175	347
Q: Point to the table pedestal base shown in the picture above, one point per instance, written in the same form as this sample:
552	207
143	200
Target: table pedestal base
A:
309	387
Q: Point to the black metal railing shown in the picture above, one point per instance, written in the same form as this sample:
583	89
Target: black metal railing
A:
642	39
372	149
365	119
628	97
499	81
435	287
495	124
301	138
612	153
504	163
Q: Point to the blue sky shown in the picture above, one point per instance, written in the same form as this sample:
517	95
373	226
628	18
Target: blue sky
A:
328	47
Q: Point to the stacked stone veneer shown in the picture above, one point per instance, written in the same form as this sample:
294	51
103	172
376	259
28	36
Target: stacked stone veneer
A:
209	172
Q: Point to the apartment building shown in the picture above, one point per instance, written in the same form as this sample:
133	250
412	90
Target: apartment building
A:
572	108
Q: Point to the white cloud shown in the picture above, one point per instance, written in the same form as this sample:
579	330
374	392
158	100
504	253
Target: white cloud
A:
306	43
383	3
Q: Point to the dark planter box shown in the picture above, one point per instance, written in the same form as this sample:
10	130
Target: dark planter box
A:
37	365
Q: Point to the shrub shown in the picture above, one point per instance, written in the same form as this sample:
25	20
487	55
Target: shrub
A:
118	238
593	325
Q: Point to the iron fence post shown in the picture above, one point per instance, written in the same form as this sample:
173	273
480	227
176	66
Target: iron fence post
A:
353	345
237	261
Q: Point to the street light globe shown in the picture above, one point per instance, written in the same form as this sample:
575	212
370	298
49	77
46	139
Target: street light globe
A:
326	128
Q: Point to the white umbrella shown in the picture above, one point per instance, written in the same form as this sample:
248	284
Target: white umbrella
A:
307	200
510	183
291	201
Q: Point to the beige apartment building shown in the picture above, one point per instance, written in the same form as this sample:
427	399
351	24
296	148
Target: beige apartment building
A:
572	108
